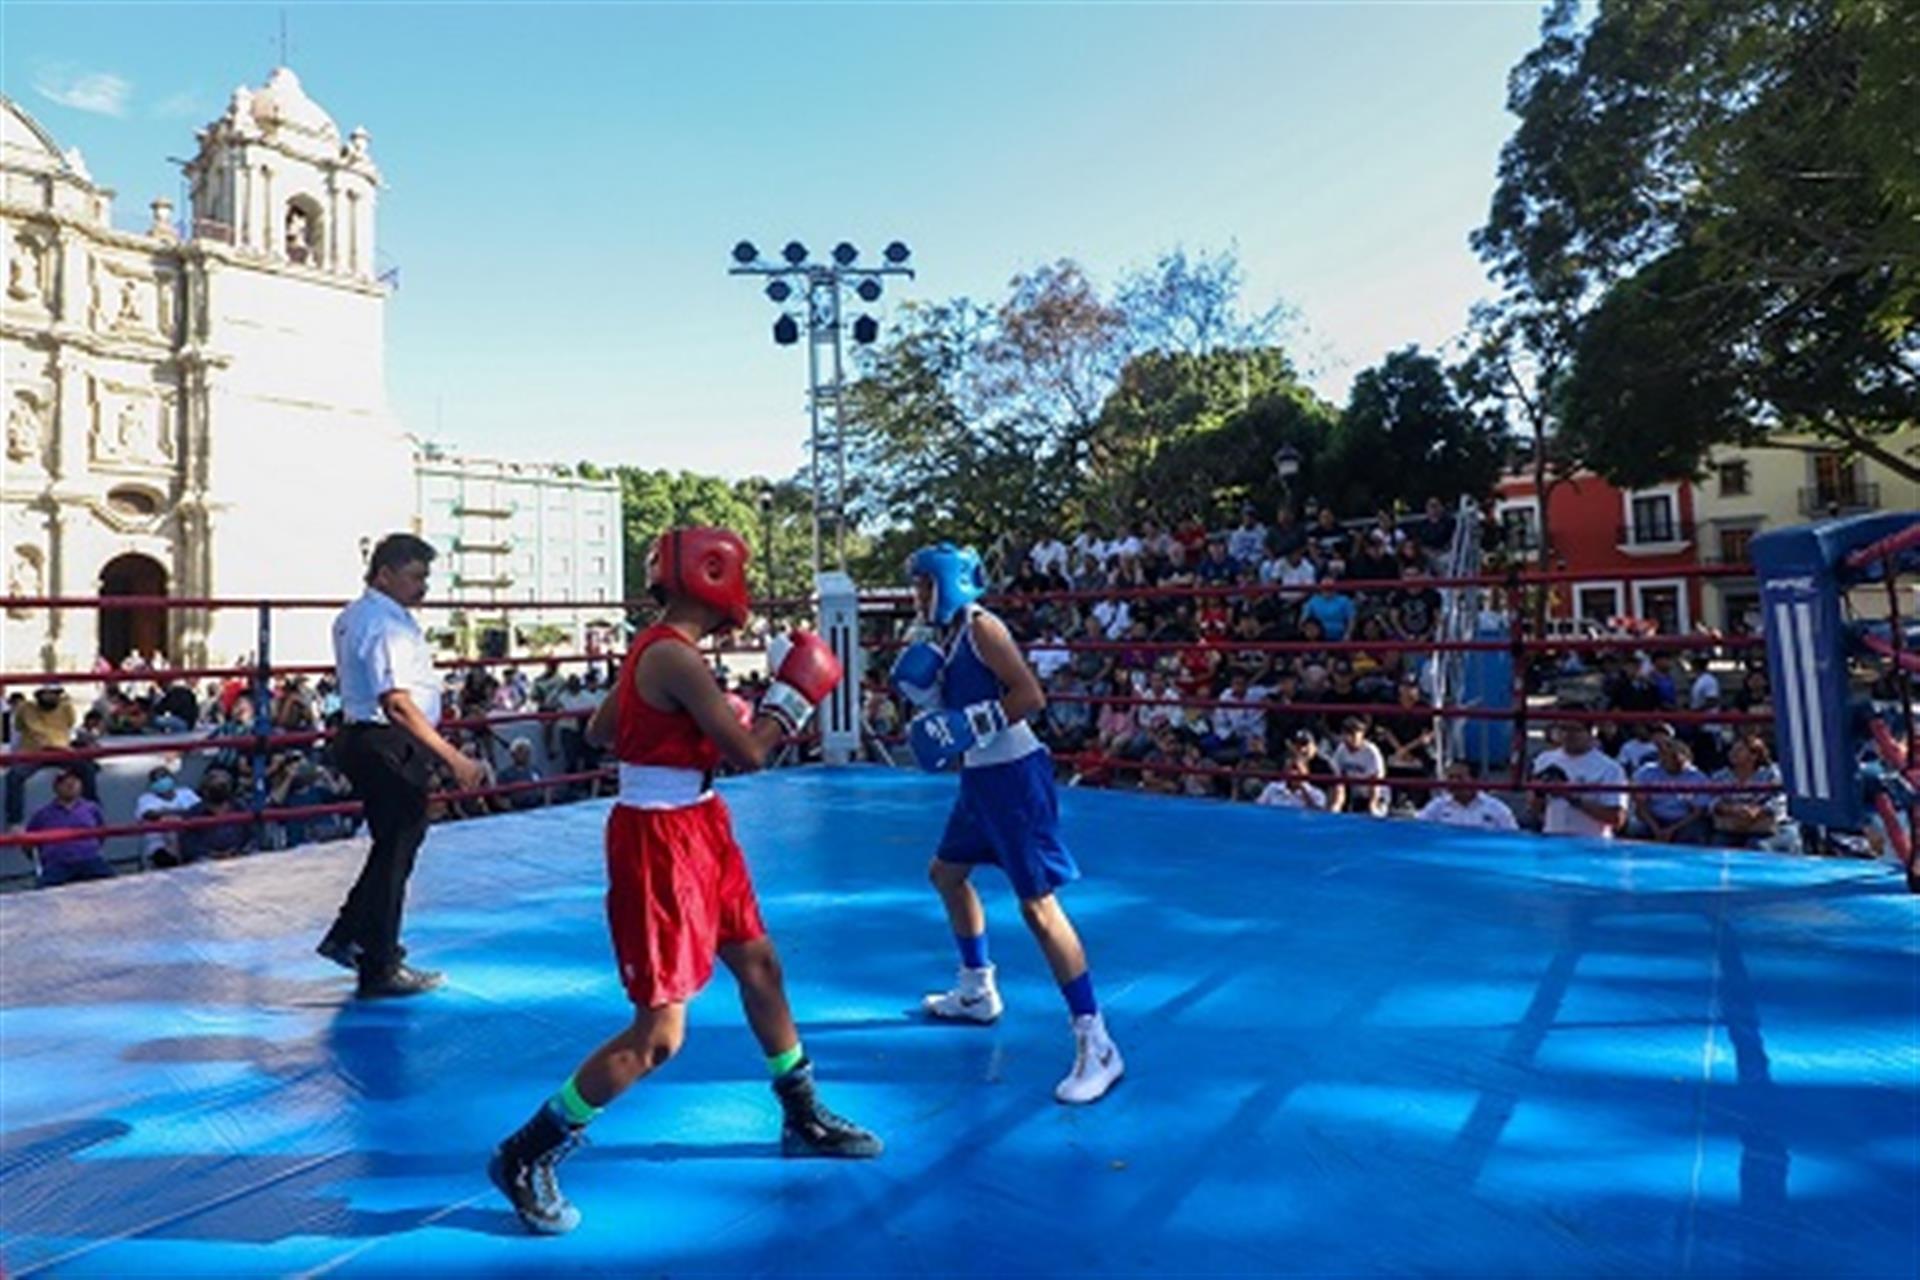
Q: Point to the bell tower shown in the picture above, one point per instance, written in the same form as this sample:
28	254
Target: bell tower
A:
274	178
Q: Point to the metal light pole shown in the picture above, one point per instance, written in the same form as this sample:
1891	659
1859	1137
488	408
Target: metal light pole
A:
766	519
823	284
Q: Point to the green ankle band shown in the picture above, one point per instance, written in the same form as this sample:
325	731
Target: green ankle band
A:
576	1109
781	1063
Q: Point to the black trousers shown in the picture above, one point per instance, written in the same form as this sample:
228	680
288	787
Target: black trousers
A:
389	771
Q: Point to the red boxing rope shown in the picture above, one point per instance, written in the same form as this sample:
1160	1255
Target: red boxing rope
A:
1376	709
248	816
1906	659
1886	548
1419	783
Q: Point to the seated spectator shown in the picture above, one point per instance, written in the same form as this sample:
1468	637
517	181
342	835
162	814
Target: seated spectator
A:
1415	608
1190	536
1247	542
1285	533
1114	617
1357	757
1642	745
44	724
1751	818
1374	561
1704	693
80	857
1674	814
1117	730
1598	811
520	769
468	806
299	782
1048	657
178	710
1049	555
1236	725
1433	532
1068	719
1216	567
1464	804
1159	691
1332	609
227	840
1406	736
164	798
1195	780
1158	776
1311	782
1328	538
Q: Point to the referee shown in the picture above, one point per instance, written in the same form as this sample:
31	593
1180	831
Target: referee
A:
390	695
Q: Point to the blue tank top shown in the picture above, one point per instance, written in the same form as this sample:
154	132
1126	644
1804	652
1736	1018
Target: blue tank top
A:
965	680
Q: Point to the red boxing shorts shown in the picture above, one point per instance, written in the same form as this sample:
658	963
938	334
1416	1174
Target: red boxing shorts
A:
677	891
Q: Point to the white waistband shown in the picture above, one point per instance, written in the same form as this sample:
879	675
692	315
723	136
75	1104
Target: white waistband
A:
1014	742
652	786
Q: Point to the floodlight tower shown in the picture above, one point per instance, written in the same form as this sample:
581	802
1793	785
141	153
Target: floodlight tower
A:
795	282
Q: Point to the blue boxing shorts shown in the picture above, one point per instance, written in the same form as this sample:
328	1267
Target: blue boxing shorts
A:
1009	815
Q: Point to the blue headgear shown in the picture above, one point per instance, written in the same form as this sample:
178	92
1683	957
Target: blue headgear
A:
957	574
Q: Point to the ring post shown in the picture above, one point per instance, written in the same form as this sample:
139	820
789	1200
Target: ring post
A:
840	627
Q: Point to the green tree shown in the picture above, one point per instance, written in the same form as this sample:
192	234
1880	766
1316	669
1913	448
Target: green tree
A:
1405	436
1716	200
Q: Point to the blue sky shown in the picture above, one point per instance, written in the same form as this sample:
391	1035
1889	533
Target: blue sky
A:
565	180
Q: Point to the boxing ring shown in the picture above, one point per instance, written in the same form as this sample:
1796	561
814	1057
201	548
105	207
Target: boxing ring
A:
1353	1047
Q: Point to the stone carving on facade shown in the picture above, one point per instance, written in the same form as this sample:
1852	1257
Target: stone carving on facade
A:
24	270
25	579
26	431
129	428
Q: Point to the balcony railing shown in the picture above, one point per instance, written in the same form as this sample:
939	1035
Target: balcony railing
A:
1821	500
1654	533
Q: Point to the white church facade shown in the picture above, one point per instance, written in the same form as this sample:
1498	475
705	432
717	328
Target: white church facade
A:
195	410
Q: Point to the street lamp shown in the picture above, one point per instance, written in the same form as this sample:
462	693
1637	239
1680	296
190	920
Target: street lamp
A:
1286	465
823	284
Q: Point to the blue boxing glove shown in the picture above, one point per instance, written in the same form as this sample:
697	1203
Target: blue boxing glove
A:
916	674
939	738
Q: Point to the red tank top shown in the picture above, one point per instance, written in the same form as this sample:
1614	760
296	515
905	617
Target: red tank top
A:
644	734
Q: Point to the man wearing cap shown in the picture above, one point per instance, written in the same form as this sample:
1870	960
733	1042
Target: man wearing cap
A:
390	694
75	856
45	723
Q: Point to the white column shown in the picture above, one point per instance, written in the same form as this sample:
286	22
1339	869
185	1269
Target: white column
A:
333	223
840	625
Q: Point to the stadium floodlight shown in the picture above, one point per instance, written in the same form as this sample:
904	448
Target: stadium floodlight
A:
744	253
844	253
868	289
897	252
865	330
795	253
779	290
786	330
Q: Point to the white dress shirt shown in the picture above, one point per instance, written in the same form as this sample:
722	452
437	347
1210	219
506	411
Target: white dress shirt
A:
1485	812
378	647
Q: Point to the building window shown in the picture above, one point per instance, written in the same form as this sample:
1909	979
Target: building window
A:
1522	525
1734	545
600	565
1654	519
1597	604
1660	604
1736	479
133	502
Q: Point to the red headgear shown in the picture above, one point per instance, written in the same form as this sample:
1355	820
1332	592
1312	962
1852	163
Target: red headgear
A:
708	565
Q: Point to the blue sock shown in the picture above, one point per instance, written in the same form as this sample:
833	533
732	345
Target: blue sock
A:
1079	994
973	951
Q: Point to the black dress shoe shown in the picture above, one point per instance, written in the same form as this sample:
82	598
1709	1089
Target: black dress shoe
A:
401	980
342	951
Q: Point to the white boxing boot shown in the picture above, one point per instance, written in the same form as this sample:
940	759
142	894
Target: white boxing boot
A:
1097	1066
974	998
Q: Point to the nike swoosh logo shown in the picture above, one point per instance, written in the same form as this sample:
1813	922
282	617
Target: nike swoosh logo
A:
970	1001
1106	1058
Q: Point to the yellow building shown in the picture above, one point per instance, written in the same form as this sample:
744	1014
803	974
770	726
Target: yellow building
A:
1748	490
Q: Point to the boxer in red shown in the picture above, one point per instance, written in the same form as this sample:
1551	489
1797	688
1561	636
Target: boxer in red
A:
678	891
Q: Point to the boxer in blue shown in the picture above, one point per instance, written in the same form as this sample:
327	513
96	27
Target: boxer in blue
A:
976	692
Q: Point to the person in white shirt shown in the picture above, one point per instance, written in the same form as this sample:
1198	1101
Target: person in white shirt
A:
1296	570
1048	657
1048	554
1598	811
1161	702
1356	757
1238	724
1114	617
164	798
1299	791
1248	541
390	697
1464	804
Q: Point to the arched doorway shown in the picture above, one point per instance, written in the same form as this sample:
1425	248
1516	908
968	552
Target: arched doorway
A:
141	629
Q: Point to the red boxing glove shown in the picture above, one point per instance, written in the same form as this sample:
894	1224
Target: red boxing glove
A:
805	671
